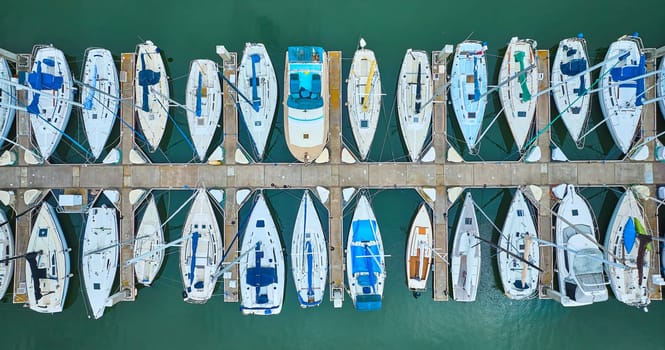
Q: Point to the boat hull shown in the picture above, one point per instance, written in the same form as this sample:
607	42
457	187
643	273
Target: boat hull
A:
520	281
201	254
204	104
100	107
7	99
48	271
419	251
99	263
516	96
151	93
465	259
262	266
6	251
309	255
365	262
363	99
661	88
259	115
306	102
618	101
570	95
468	83
414	90
49	108
149	237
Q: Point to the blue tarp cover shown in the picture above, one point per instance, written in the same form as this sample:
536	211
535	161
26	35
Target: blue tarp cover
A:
629	235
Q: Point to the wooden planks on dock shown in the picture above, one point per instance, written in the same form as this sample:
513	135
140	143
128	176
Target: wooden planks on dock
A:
439	106
545	232
230	143
21	237
543	103
335	111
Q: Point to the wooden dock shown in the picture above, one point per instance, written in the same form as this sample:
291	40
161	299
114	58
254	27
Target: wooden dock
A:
333	175
440	268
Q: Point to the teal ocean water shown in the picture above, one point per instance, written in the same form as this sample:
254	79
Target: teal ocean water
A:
185	31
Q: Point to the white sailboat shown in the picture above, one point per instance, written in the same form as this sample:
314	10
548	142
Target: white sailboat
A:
47	268
309	255
6	251
151	93
620	94
363	98
99	261
149	237
306	102
661	88
519	236
628	242
257	81
49	98
580	265
7	100
365	262
204	104
419	251
100	109
468	87
262	267
414	89
571	97
200	254
465	259
516	96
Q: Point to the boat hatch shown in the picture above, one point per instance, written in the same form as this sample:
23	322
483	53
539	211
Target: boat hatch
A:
521	114
43	232
575	212
364	124
520	212
94	116
468	221
260	223
96	286
257	123
472	115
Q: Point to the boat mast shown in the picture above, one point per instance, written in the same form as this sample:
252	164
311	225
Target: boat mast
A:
163	247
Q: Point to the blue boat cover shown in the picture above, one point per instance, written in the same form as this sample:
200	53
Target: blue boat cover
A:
574	66
305	77
629	235
42	81
476	83
147	78
254	83
195	244
368	302
363	230
310	265
87	104
630	73
199	89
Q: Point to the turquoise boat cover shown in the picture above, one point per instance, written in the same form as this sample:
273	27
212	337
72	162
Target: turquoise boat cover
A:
368	302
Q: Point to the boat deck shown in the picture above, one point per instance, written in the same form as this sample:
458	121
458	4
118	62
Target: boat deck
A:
333	175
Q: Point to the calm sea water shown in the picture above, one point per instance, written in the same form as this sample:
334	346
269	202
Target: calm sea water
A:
189	30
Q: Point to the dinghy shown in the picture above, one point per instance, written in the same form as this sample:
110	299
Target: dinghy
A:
363	98
570	95
465	259
100	96
49	98
468	86
99	261
419	251
414	90
8	101
516	95
262	264
365	262
6	251
151	93
149	237
200	254
629	244
204	104
306	102
660	88
257	81
519	237
620	93
309	255
47	265
580	265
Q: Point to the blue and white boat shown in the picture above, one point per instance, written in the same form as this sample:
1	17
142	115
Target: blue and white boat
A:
257	81
365	262
204	104
50	97
306	102
201	253
100	96
151	93
661	88
516	96
414	91
8	100
309	255
261	264
6	251
571	82
621	94
468	85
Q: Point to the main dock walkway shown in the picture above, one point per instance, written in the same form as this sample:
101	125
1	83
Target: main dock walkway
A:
334	175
